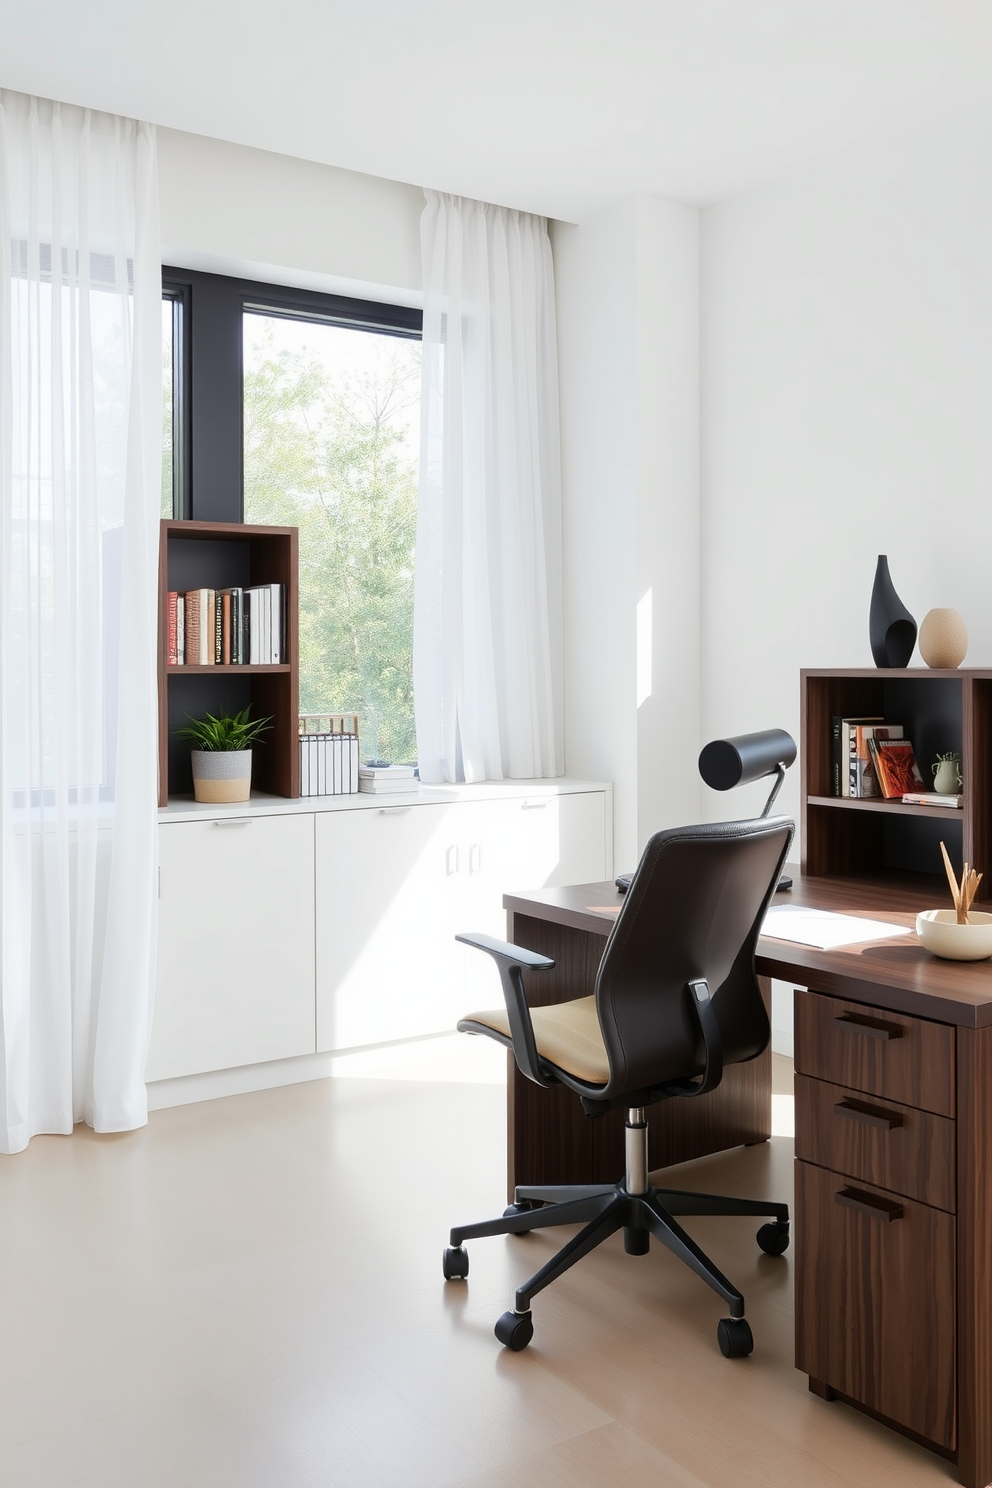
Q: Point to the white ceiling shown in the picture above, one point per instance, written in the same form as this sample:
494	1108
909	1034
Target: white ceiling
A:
554	106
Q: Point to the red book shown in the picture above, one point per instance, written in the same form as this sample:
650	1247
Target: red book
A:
896	767
171	652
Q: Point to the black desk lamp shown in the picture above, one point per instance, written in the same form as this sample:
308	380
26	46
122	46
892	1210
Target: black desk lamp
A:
724	763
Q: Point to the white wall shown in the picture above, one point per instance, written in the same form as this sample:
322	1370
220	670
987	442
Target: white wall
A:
627	296
232	210
846	394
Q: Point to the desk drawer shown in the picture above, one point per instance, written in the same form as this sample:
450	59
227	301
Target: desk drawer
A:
895	1146
880	1053
875	1297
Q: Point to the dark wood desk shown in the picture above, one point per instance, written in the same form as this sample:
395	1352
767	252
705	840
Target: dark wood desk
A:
893	1253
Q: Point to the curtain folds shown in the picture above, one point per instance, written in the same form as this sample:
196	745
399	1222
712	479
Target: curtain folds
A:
80	473
487	614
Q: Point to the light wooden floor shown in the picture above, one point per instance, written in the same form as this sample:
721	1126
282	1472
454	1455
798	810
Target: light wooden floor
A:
248	1292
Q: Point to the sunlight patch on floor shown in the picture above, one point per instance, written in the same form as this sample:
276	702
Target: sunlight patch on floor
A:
783	1116
455	1058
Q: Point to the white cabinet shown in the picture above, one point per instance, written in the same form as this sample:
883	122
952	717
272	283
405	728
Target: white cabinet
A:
389	896
330	924
395	884
236	944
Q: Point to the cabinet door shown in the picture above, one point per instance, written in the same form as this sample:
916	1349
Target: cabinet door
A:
875	1299
534	842
236	944
389	900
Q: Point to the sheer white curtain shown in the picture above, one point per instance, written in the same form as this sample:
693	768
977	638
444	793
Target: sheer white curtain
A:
487	615
80	474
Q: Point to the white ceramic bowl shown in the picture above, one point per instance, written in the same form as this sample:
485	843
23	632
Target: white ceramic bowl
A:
939	932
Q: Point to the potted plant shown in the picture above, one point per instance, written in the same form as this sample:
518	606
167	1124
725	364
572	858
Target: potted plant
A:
221	757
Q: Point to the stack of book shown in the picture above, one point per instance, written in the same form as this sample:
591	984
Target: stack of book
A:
386	780
227	627
872	759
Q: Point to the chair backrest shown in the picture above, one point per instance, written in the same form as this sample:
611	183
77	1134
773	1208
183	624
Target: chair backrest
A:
694	909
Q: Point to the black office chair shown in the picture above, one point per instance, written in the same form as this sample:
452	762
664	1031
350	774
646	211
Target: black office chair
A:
676	1000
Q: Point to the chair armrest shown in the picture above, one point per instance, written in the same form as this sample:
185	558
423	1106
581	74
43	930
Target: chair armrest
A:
511	962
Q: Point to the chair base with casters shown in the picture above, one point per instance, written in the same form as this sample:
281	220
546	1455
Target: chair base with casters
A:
640	1210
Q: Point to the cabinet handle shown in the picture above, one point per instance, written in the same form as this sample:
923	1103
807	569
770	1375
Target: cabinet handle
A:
875	1028
870	1204
233	821
394	810
475	858
451	860
870	1115
533	806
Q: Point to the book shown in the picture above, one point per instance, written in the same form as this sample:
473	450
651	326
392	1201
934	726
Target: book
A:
218	611
931	798
386	772
848	750
865	784
386	787
192	627
277	645
896	768
171	652
225	626
180	630
836	755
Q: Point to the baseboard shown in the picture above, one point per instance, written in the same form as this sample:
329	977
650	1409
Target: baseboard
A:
215	1084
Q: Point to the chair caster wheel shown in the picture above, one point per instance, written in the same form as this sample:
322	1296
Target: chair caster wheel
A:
455	1263
734	1337
526	1206
773	1238
515	1330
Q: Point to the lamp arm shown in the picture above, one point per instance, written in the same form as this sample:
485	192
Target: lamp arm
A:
511	962
779	777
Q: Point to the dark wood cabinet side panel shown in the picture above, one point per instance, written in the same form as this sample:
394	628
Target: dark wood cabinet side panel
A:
975	1255
833	1043
875	1301
840	1129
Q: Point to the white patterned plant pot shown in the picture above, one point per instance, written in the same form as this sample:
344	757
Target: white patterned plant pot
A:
221	775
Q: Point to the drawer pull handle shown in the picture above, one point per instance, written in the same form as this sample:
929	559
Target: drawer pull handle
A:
869	1115
394	810
870	1204
534	806
234	821
875	1028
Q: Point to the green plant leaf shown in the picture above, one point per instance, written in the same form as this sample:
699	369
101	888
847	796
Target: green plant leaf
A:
228	732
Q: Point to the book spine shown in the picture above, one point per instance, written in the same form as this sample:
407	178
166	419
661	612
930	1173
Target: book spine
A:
181	630
852	760
225	628
193	627
218	628
879	763
836	724
171	653
266	598
276	613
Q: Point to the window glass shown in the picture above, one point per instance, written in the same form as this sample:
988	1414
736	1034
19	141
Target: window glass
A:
331	437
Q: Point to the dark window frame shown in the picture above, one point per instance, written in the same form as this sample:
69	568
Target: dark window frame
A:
208	374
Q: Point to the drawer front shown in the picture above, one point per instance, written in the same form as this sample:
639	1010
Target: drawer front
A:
889	1054
875	1280
878	1141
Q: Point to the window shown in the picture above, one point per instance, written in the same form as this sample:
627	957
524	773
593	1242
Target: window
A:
303	410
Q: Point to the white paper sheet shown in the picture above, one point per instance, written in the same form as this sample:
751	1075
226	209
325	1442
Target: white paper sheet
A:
823	930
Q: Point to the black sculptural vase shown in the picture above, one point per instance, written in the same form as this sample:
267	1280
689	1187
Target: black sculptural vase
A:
891	628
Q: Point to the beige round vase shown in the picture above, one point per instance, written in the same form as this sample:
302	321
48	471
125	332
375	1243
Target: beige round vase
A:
221	775
943	638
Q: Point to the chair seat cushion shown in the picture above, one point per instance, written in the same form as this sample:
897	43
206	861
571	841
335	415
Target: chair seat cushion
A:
567	1035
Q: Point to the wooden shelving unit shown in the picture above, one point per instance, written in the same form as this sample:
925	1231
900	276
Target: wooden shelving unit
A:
219	555
940	710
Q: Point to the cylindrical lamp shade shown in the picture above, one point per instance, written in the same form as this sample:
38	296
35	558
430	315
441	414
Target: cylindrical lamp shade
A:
725	763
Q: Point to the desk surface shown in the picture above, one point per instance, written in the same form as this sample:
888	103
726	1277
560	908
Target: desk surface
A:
895	974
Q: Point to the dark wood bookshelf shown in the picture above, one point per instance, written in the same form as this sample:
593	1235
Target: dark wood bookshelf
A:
220	555
940	710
